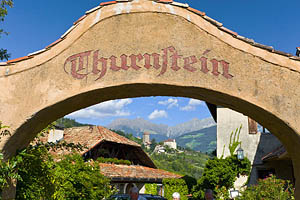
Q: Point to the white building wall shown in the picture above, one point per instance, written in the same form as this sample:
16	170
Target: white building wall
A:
55	135
255	146
228	121
172	145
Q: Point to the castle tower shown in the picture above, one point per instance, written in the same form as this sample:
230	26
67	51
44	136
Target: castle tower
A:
146	138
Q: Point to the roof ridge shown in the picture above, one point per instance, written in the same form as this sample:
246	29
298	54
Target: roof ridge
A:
214	22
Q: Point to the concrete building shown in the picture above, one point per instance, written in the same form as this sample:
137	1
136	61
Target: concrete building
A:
171	143
262	148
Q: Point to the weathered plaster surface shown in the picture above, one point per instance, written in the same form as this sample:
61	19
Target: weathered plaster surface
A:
264	86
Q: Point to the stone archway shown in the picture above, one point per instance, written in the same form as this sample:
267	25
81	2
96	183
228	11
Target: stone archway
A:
146	48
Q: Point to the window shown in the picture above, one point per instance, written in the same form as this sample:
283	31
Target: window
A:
252	124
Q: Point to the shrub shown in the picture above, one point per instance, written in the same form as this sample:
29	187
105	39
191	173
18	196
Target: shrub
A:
76	179
270	188
151	188
221	173
175	185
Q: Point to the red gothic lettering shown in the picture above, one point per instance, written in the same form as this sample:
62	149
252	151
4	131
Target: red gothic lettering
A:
124	62
156	64
188	63
165	62
175	58
113	65
73	59
226	73
95	65
77	63
204	68
215	65
133	61
147	61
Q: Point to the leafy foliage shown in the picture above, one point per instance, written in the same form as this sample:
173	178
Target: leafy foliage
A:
76	179
190	182
234	142
8	169
35	170
40	177
270	188
175	185
68	123
219	172
113	160
151	188
189	163
3	12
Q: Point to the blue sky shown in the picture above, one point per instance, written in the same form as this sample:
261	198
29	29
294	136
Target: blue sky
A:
34	24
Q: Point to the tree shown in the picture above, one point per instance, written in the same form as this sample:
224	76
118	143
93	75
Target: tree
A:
270	188
175	185
3	12
76	179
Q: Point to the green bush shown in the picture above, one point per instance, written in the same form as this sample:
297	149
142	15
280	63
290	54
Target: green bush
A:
76	179
113	160
221	173
175	185
151	188
270	188
35	170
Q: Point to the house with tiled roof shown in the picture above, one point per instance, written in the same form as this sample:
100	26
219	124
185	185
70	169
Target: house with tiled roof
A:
171	143
101	142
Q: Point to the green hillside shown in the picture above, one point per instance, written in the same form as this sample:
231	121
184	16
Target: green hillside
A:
68	123
204	140
189	163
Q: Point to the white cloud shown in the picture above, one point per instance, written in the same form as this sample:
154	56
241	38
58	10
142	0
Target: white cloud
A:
193	103
113	108
158	114
170	103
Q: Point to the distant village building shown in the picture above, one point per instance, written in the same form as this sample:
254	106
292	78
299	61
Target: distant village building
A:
263	149
101	142
159	149
56	134
171	143
146	140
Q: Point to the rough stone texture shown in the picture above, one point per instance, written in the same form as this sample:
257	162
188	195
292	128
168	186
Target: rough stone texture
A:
263	85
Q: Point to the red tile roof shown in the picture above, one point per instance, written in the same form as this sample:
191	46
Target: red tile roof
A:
54	43
170	140
277	153
165	1
107	3
134	172
19	59
90	136
78	20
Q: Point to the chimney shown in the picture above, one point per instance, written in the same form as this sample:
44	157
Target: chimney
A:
298	51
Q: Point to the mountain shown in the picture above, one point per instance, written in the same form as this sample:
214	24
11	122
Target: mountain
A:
204	140
190	126
140	125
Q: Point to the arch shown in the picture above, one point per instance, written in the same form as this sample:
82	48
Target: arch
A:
145	48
